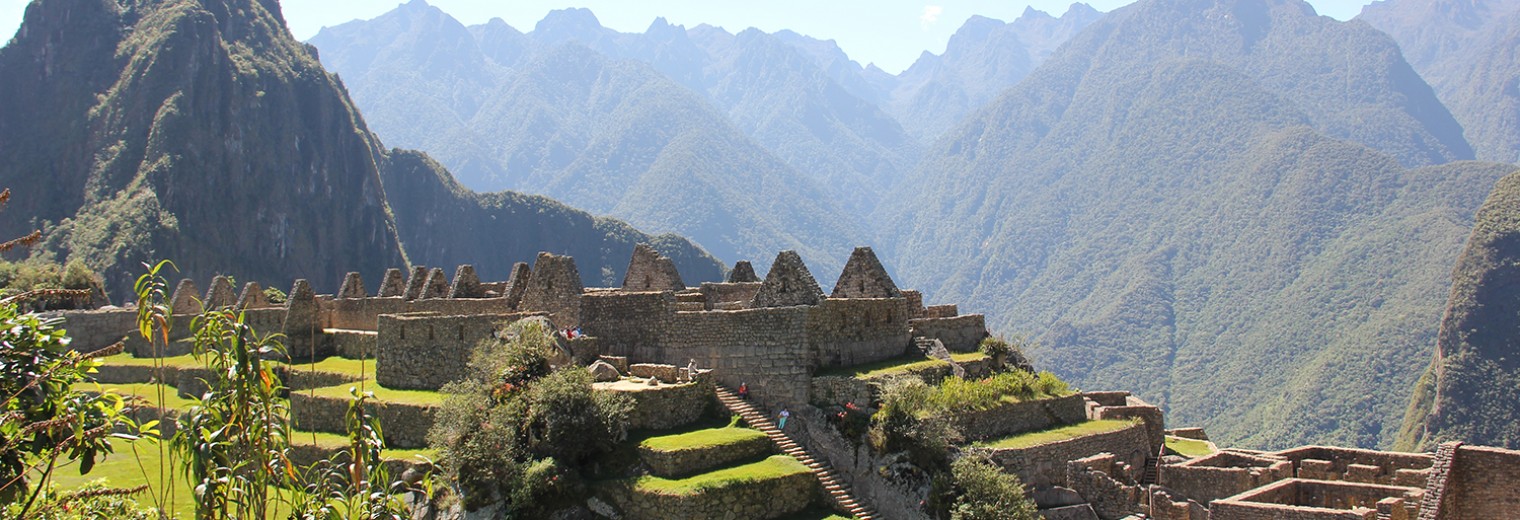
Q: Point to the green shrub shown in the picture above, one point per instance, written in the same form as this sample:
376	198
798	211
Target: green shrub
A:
518	432
985	492
92	501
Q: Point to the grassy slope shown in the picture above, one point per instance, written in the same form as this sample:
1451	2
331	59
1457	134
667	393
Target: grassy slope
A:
776	466
1059	433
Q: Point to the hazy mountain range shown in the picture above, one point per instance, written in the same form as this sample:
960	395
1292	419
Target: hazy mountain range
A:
1241	210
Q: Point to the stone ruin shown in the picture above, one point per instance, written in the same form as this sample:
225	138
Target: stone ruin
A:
777	335
743	273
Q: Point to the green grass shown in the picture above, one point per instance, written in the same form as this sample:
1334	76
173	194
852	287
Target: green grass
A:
706	438
147	391
127	360
897	365
776	466
1059	433
815	514
385	395
1188	447
359	368
124	469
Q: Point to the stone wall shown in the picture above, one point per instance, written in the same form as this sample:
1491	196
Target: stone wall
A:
959	334
1296	499
915	304
838	390
404	426
668	406
1473	482
849	332
1009	418
1045	465
93	330
427	351
762	347
787	284
625	322
728	296
1356	465
771	498
683	462
1222	475
360	313
1135	408
1107	484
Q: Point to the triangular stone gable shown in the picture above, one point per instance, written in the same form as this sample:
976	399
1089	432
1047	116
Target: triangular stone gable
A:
517	283
743	273
864	277
184	299
415	283
466	283
648	270
788	284
555	288
437	285
301	321
394	283
220	295
353	287
252	297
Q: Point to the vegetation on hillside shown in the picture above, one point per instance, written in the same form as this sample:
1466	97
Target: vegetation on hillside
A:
1469	391
1171	213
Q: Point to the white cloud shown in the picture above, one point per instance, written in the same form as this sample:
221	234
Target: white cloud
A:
930	15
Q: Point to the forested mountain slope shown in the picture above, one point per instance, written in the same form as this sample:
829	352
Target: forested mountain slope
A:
200	130
1208	202
1466	49
1469	392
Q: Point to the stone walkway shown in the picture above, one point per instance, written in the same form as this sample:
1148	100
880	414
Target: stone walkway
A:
837	488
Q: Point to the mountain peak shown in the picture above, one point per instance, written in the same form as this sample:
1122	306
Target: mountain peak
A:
572	22
1031	13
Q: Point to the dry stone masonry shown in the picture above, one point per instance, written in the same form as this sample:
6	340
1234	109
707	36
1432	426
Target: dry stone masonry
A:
648	270
743	273
788	284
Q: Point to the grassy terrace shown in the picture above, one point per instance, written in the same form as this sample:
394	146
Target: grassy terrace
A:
1188	447
1059	433
385	395
334	364
776	466
899	365
700	439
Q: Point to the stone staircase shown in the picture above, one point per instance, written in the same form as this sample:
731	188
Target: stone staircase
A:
837	488
1152	471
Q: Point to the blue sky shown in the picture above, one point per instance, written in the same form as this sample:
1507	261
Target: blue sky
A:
890	33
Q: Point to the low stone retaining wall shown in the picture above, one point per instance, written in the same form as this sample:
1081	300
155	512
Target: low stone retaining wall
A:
132	374
683	462
669	406
1045	464
405	425
959	334
305	455
1011	418
772	498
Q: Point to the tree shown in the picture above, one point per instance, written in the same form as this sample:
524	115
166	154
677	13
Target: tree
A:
988	493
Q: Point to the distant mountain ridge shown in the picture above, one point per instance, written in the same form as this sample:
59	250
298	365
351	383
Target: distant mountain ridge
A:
199	130
1466	49
613	136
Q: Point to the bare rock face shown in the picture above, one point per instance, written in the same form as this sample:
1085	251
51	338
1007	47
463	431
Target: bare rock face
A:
394	283
603	372
864	277
353	286
743	273
648	270
466	283
788	284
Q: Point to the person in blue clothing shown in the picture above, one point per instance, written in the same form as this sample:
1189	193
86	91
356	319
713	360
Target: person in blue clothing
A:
785	414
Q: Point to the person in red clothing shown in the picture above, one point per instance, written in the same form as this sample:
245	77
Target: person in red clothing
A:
744	391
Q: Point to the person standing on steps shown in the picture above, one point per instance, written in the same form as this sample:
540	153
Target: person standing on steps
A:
785	414
744	391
